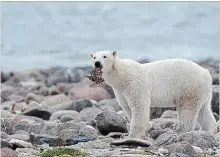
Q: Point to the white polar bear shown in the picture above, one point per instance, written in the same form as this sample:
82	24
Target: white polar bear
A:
176	83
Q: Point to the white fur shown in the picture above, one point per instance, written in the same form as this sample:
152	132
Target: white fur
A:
171	82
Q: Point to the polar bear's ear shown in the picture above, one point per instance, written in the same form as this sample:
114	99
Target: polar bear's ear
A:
114	53
91	55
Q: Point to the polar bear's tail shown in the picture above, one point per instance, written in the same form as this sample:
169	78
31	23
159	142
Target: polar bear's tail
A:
206	118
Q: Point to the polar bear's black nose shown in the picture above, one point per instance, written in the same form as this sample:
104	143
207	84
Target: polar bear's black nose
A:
98	64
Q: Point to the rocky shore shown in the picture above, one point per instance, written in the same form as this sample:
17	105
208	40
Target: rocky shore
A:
59	112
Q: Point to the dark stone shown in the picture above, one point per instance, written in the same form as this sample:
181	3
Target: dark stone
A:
38	112
80	138
5	144
81	104
107	122
131	142
40	139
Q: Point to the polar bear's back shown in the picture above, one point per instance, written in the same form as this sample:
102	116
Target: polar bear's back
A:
175	78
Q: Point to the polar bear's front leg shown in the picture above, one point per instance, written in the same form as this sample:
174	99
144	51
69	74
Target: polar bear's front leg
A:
140	109
123	103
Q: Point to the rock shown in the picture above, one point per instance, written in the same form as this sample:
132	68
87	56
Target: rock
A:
67	105
33	97
3	135
156	133
50	101
170	114
81	104
31	84
165	138
133	142
87	92
198	150
20	143
57	115
44	91
156	112
21	126
108	121
16	98
163	151
48	128
38	111
78	139
109	105
27	152
215	99
164	122
89	113
198	138
66	118
20	136
53	90
5	144
8	152
178	155
5	76
59	76
182	147
52	140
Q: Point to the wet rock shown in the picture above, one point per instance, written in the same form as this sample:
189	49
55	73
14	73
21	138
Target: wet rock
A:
52	140
89	113
215	99
131	142
38	111
81	104
199	138
8	152
109	105
20	143
50	101
33	97
182	147
108	121
57	115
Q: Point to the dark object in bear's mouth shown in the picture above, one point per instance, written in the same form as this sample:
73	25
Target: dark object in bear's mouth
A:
96	76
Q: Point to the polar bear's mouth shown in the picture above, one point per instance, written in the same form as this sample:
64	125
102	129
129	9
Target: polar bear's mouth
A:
96	75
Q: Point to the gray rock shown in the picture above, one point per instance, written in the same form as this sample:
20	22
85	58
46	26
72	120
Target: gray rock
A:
156	112
157	132
20	143
67	105
199	138
27	152
182	147
170	114
57	115
8	152
178	155
89	113
66	118
33	97
47	128
21	126
16	98
53	90
163	122
5	144
50	101
81	104
20	136
109	105
166	138
38	111
3	135
108	121
52	140
44	91
215	99
133	142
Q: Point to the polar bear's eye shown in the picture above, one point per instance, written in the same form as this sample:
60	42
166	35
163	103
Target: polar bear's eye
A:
104	56
93	57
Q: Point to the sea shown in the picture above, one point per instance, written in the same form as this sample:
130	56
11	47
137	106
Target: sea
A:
51	34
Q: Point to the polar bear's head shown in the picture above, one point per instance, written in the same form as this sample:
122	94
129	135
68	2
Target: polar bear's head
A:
103	60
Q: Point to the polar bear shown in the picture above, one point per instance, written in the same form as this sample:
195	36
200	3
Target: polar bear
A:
176	83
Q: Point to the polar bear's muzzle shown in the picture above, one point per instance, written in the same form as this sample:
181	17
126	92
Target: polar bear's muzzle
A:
98	64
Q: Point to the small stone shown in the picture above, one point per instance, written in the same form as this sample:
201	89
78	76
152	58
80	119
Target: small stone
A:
108	121
66	118
57	115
